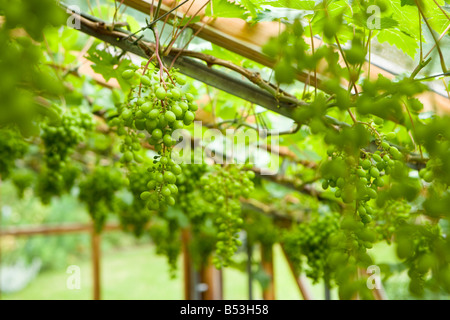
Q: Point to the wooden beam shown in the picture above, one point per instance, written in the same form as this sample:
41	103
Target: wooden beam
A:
247	40
187	265
95	243
54	229
230	33
267	266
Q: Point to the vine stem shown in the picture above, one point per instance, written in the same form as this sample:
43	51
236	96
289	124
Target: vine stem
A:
161	65
145	70
371	127
169	47
444	68
414	129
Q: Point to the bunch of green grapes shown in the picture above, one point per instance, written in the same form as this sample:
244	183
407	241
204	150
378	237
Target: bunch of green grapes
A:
22	180
165	233
366	176
156	106
310	240
12	147
222	189
60	142
136	215
189	198
98	191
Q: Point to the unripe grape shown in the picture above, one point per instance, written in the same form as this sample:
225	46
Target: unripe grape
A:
140	101
157	134
145	81
145	195
374	172
189	97
169	177
366	164
127	74
160	93
146	107
170	116
176	109
176	93
376	157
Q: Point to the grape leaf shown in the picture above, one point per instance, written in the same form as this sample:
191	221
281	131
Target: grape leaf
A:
225	9
408	3
187	20
400	39
251	7
104	63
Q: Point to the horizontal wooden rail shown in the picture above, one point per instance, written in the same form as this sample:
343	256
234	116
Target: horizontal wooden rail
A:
65	228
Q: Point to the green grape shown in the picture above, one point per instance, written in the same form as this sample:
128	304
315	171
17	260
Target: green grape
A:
98	192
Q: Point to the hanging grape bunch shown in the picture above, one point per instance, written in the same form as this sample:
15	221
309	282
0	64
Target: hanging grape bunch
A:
59	144
12	147
98	191
223	188
156	107
189	197
366	175
310	239
135	216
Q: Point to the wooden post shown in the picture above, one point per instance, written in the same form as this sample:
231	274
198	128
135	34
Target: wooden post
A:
210	278
249	270
96	264
267	265
304	290
187	265
1	221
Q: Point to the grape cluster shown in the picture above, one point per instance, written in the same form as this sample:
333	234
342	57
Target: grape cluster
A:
22	180
222	188
365	178
98	191
310	240
189	199
60	142
136	215
156	106
12	147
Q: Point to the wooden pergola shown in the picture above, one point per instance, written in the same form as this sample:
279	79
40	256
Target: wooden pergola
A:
241	38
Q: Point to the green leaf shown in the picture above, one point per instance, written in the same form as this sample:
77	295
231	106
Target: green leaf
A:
225	9
408	3
134	25
187	20
251	7
400	39
104	64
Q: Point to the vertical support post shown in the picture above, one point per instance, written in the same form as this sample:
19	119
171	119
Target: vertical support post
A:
96	264
327	292
1	221
304	290
187	265
210	280
267	265
249	270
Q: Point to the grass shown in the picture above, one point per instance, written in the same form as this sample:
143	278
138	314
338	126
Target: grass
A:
138	273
